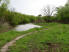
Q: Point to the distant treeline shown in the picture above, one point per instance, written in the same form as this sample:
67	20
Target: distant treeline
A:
15	18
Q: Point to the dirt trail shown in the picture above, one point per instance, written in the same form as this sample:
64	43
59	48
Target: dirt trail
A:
6	46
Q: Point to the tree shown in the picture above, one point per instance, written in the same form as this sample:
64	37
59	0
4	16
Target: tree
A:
3	10
67	4
40	15
63	13
48	11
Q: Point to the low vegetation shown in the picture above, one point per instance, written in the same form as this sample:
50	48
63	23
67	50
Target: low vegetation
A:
55	38
8	36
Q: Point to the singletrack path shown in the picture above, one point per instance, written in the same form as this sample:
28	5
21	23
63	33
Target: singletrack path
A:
5	48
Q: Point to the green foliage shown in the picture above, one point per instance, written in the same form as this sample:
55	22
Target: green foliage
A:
8	36
15	18
49	19
63	14
39	40
3	10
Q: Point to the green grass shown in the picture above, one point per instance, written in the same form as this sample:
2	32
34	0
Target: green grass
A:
10	35
56	34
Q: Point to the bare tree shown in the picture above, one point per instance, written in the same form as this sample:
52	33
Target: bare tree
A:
48	11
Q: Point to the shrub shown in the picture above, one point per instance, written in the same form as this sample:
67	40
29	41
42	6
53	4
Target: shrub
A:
63	14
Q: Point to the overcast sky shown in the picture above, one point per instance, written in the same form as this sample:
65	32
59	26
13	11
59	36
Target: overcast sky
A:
33	7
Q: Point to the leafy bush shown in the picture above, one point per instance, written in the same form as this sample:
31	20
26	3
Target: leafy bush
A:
49	19
15	18
63	14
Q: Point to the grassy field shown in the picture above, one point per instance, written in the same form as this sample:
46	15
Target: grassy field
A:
10	35
55	38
